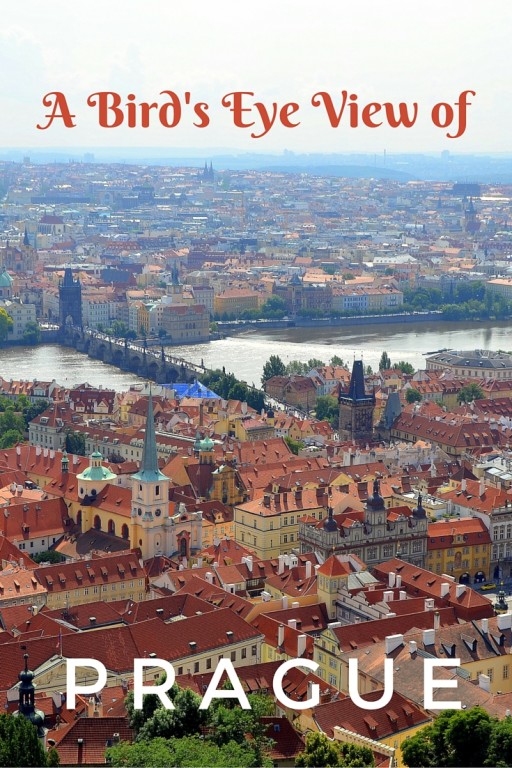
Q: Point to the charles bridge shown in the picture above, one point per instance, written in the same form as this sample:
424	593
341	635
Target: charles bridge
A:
140	358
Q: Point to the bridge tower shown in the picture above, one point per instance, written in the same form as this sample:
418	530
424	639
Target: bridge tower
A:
70	300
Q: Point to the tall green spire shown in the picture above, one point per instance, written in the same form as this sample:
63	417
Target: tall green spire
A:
148	471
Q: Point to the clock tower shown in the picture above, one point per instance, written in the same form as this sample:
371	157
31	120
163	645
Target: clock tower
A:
150	497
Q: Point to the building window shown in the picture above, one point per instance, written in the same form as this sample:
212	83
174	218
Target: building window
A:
490	674
196	666
233	655
254	650
208	663
244	653
505	672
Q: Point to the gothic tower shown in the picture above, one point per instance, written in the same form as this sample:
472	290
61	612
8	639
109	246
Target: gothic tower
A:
356	408
70	300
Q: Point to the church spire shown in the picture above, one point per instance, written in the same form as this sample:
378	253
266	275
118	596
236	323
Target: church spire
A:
148	471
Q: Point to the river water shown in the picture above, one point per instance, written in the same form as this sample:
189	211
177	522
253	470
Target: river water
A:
246	353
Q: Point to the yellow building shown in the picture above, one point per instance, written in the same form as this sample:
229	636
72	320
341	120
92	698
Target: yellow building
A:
235	301
270	525
460	547
115	577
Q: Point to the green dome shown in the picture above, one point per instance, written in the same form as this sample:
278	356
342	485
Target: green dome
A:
5	280
206	444
96	471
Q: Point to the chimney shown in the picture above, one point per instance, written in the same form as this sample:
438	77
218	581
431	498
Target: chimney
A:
393	642
199	562
484	681
445	589
284	602
295	604
308	569
429	636
403	594
459	590
91	704
317	567
391	579
301	645
248	561
398	582
280	567
413	646
437	620
292	623
485	626
504	621
280	634
388	595
481	488
463	485
429	604
209	577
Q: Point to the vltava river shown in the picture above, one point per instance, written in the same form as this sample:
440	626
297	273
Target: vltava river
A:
246	354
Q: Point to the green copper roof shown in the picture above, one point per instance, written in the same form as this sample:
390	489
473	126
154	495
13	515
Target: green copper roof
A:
206	444
97	473
5	280
148	471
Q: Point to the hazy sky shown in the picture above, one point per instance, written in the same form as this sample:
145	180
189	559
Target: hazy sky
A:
284	50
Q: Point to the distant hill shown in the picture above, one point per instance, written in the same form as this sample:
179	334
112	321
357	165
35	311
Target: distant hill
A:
346	171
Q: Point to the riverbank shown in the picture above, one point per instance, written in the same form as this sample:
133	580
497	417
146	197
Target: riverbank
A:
231	327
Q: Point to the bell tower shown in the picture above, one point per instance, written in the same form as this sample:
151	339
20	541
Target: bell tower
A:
150	497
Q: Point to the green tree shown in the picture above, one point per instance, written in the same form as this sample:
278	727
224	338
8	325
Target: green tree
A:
19	743
50	556
5	324
188	752
273	367
228	723
119	329
184	720
403	366
75	442
157	753
455	738
52	757
300	368
32	333
384	362
500	746
294	445
273	307
296	368
470	392
337	360
413	396
9	438
320	752
327	409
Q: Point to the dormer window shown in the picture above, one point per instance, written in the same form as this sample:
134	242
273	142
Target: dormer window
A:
157	490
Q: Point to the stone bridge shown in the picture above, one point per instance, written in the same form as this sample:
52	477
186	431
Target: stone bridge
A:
134	356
